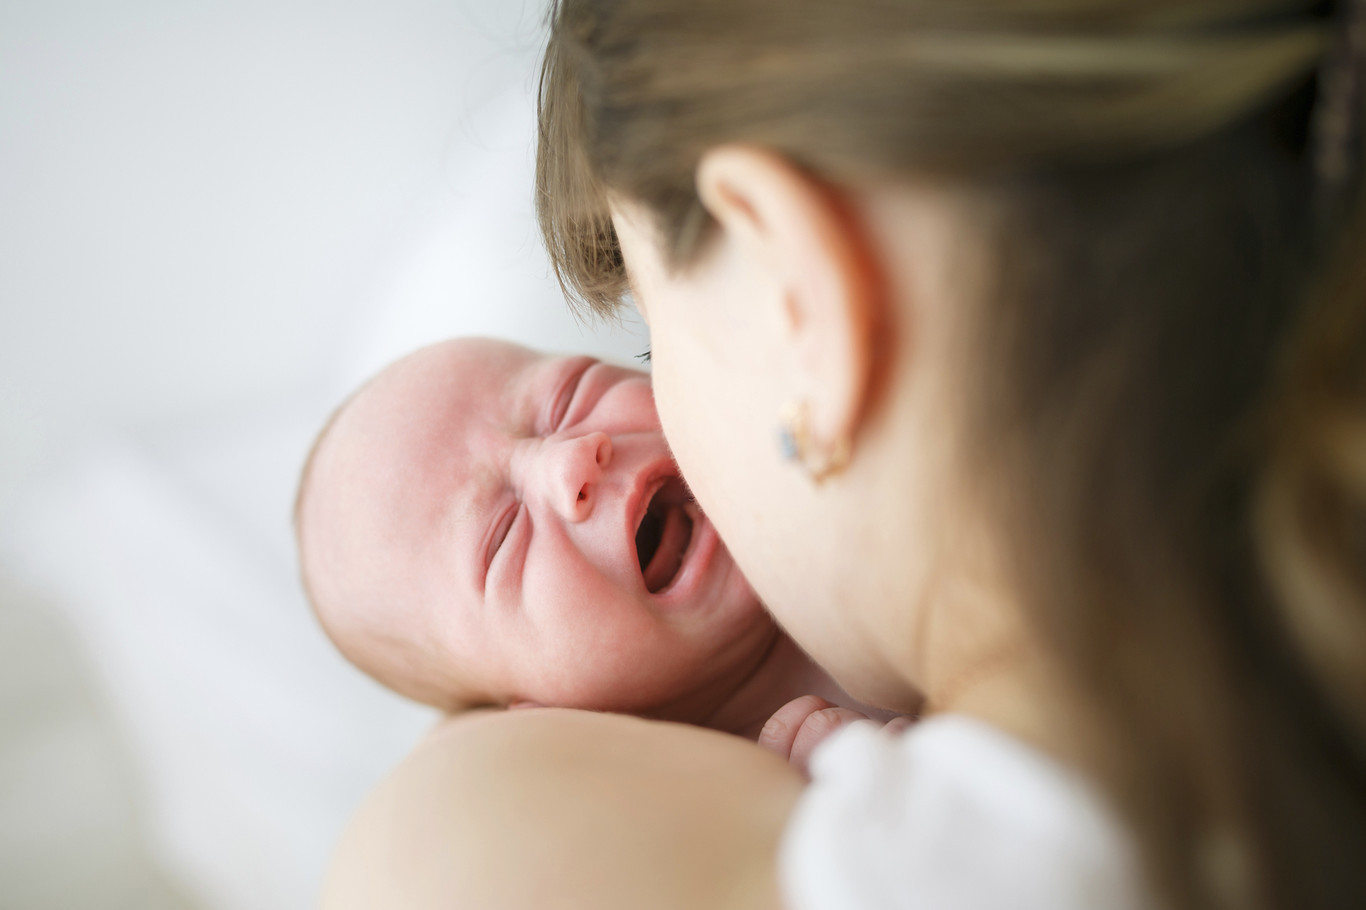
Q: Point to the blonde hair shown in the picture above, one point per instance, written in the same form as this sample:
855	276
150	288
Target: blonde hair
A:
1171	392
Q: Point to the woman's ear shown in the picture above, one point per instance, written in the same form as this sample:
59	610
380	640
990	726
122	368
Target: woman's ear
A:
805	239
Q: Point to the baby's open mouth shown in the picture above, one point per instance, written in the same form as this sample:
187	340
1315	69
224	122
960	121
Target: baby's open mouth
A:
663	536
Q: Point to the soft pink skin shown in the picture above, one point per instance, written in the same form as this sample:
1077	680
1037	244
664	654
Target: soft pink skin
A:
798	727
422	473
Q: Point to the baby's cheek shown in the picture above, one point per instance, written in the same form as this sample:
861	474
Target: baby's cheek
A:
640	398
627	407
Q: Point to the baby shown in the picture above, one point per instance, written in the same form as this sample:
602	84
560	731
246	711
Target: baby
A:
485	525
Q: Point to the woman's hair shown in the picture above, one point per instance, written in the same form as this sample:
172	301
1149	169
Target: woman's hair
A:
1169	384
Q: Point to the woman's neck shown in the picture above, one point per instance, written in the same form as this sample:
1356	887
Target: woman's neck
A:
1005	681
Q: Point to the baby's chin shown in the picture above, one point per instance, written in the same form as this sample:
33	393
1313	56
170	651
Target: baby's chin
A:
439	694
683	687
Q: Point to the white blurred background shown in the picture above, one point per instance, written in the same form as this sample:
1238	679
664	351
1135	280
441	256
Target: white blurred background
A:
215	220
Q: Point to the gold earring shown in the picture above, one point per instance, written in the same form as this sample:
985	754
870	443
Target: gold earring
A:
797	443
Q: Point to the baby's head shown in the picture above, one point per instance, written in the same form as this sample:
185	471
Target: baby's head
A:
483	524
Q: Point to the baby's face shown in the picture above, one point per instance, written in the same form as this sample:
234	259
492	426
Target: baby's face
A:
485	523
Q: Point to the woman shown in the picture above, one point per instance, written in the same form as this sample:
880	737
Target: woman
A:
1059	310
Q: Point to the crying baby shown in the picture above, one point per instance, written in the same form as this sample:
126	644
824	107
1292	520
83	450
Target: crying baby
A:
484	525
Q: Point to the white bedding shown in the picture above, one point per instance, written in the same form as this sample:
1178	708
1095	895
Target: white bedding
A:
167	542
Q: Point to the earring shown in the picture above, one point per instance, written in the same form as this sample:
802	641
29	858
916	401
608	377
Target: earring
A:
796	443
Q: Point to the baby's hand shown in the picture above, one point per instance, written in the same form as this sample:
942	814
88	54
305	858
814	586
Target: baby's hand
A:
799	726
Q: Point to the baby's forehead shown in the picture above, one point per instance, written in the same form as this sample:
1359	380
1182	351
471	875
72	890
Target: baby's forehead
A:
449	404
457	371
437	414
476	379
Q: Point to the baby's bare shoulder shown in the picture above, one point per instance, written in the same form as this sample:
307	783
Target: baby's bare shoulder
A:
551	807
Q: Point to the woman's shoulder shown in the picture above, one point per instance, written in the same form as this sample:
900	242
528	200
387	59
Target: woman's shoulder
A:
952	814
551	807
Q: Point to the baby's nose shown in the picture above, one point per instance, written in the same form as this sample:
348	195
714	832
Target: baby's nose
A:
571	469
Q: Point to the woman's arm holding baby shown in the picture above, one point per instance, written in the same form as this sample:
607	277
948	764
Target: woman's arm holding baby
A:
554	808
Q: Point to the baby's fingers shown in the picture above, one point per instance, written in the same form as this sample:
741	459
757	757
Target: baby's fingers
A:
780	732
899	724
796	728
816	728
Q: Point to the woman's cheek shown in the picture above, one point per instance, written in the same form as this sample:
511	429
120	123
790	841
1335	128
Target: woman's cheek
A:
703	451
674	419
665	404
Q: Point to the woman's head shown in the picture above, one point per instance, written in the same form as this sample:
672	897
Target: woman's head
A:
1053	270
785	307
1006	108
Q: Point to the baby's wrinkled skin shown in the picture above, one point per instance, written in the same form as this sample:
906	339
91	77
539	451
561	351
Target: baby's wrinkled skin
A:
485	525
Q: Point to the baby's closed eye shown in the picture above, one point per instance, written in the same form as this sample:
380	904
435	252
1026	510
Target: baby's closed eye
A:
501	528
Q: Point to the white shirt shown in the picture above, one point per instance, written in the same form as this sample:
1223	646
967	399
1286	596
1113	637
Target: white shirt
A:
951	815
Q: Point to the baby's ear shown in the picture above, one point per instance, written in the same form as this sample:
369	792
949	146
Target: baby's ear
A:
523	703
